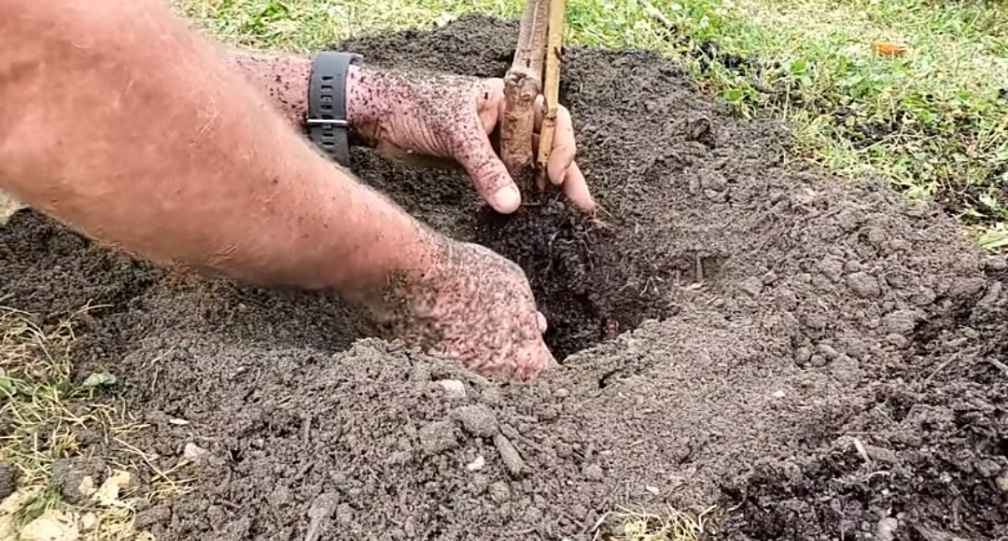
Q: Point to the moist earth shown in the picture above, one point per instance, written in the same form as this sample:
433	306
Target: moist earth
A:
814	357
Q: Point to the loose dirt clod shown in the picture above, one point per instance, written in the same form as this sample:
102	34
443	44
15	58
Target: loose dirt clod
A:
79	478
512	459
318	513
478	420
718	353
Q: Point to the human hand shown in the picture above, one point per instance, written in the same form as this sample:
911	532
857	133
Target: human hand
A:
446	116
468	304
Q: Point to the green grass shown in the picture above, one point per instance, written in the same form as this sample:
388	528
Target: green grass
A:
669	525
934	121
43	411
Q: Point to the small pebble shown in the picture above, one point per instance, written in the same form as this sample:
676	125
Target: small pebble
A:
477	464
593	472
886	529
194	453
454	388
477	420
1002	481
89	521
778	394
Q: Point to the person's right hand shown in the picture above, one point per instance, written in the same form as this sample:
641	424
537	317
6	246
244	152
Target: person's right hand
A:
470	305
407	115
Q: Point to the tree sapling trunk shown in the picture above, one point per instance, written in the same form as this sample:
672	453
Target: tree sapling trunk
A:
522	84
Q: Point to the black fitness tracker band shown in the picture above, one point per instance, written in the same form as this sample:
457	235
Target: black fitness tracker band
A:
327	116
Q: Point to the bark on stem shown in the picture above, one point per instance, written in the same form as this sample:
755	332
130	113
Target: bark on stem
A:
551	90
522	85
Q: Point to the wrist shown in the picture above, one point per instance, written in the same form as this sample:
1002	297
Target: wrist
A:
381	241
410	286
402	261
366	105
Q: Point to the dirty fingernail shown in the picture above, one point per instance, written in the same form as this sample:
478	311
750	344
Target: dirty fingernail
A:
506	199
541	319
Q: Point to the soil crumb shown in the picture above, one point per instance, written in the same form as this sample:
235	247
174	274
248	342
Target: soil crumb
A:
814	357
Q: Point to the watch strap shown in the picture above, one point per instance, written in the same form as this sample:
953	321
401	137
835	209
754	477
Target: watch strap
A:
327	115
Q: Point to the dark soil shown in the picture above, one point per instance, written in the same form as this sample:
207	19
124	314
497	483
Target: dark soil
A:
590	281
832	363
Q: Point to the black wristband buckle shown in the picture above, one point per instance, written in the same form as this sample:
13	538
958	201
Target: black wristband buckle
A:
327	115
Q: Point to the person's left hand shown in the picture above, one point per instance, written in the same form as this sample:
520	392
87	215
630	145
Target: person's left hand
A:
451	117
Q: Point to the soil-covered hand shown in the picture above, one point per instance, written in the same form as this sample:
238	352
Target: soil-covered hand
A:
451	117
468	304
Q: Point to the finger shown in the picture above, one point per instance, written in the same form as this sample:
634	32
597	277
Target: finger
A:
576	189
490	103
564	148
541	359
491	179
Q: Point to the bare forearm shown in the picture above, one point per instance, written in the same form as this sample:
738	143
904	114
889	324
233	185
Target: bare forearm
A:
283	79
164	151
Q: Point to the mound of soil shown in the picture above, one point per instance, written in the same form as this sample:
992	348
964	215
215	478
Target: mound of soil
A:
816	358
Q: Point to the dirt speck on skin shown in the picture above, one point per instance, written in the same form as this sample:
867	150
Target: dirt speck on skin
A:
815	357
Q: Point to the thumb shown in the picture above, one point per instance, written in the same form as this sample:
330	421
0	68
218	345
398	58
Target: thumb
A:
486	170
